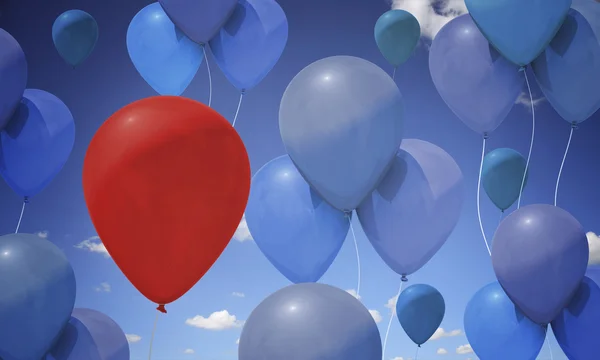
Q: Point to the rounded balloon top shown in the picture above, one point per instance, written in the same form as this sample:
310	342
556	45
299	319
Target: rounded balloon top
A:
397	34
310	321
75	34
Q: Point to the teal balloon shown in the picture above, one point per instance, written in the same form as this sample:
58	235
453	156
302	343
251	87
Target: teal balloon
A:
502	175
75	34
397	33
420	309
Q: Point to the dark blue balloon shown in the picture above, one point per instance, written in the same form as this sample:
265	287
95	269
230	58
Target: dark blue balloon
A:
13	72
294	228
90	335
251	42
37	294
36	143
568	72
502	176
200	20
497	330
310	321
165	58
519	29
75	34
576	326
420	309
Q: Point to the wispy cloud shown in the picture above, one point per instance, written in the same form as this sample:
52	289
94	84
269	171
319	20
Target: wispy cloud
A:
188	351
376	316
441	351
242	233
219	320
43	234
104	287
525	101
353	293
441	333
133	338
93	245
431	14
238	294
594	243
464	349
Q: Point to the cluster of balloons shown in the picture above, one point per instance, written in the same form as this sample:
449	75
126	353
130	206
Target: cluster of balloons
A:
37	318
166	41
37	128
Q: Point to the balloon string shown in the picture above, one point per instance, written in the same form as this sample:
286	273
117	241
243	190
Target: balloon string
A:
417	353
237	112
532	138
25	201
562	164
549	346
152	336
209	76
479	196
387	332
394	74
357	256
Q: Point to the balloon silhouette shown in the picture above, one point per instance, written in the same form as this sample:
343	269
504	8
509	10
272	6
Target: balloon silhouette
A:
91	335
200	20
502	176
574	326
297	231
38	294
294	322
415	208
165	58
420	310
36	143
591	11
13	72
568	72
540	254
397	34
475	81
75	34
156	174
251	42
519	29
492	321
341	121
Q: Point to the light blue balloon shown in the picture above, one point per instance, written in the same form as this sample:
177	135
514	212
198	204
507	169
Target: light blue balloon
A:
251	42
341	121
397	34
568	72
590	9
420	310
502	175
294	228
497	330
75	34
166	58
37	296
519	29
415	208
36	143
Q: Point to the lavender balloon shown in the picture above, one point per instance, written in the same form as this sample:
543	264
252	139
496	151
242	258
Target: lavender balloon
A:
415	207
476	82
540	255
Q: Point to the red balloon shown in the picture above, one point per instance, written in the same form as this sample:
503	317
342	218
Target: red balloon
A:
166	181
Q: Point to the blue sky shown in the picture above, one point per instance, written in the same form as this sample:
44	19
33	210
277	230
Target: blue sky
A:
206	322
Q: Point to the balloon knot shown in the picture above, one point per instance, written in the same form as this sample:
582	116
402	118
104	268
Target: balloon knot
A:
26	199
162	309
347	214
574	125
404	278
418	345
243	92
486	136
522	68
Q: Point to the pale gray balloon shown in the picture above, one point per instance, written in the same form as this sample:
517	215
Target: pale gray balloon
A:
310	321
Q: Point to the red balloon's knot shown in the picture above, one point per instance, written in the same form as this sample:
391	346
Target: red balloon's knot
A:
162	309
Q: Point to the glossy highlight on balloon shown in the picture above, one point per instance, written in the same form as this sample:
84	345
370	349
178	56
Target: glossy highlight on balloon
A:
13	72
75	34
38	295
502	176
157	173
341	120
310	321
397	34
420	309
294	228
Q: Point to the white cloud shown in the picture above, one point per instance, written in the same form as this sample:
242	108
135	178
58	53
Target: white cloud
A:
464	349
525	100
376	316
219	320
391	303
133	338
242	233
440	333
94	245
42	234
431	14
188	351
237	341
104	287
441	351
594	243
238	294
353	293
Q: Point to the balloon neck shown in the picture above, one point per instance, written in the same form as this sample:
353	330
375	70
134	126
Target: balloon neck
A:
404	278
243	92
486	136
162	309
574	125
26	199
418	345
347	214
522	68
